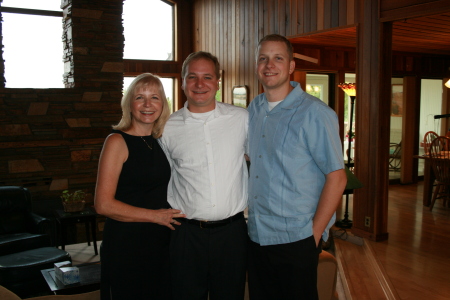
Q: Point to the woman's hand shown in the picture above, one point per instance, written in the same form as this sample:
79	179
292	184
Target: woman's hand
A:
166	217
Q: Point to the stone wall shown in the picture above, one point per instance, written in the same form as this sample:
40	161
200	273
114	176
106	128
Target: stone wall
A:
50	139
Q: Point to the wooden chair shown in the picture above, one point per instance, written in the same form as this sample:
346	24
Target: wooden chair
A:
440	162
427	139
395	158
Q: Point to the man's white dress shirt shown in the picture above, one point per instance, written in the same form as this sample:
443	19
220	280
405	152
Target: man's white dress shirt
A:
206	151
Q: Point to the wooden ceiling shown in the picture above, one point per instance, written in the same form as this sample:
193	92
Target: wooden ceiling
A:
430	34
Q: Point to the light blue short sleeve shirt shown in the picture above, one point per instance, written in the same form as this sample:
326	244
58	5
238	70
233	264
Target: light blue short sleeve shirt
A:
291	148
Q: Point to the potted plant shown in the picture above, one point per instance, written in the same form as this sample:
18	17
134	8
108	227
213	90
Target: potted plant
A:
73	202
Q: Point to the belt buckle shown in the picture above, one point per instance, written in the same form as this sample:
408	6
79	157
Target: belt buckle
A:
201	222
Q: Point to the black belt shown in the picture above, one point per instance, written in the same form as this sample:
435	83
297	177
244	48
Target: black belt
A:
213	224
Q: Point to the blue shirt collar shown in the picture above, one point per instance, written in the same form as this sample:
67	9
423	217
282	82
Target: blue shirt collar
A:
292	100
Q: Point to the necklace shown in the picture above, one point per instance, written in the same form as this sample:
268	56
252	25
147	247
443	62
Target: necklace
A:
149	147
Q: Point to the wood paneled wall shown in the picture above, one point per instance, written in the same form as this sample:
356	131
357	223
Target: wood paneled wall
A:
231	30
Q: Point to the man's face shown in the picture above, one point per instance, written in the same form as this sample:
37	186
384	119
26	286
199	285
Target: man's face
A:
200	85
273	66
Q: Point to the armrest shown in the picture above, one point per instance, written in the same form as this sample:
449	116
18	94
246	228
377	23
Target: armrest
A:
39	224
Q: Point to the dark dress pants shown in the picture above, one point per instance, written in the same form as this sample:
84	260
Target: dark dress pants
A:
285	271
209	261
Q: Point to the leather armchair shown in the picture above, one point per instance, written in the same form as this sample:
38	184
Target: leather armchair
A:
20	228
24	244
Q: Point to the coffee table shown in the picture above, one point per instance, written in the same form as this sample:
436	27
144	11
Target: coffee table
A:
89	280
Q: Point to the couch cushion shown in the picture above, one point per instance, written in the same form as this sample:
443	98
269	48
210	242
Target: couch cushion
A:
27	265
18	242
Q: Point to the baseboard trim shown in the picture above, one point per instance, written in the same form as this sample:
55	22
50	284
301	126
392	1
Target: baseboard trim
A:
341	272
380	273
371	266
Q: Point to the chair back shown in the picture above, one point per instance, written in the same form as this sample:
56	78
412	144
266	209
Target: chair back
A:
440	159
396	150
15	208
395	156
427	139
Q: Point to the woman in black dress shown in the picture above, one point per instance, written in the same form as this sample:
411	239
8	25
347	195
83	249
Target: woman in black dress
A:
131	192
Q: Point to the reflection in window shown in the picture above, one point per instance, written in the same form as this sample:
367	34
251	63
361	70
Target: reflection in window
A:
166	82
33	54
148	30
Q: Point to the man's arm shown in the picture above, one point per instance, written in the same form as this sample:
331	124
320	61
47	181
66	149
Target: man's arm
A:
329	200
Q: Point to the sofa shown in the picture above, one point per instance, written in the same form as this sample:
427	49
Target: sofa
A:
6	294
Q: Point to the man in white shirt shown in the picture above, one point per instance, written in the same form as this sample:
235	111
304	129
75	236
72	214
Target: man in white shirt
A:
205	142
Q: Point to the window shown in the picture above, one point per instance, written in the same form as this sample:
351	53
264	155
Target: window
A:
166	82
32	54
149	33
148	30
317	85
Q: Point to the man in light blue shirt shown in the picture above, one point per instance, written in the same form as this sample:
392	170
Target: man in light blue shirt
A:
296	179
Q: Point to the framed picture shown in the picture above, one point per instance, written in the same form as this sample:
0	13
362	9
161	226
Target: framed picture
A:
397	100
240	95
219	93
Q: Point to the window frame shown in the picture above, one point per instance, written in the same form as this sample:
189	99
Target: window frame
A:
168	68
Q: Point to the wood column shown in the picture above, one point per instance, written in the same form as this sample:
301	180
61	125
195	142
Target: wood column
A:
340	102
300	77
373	79
410	129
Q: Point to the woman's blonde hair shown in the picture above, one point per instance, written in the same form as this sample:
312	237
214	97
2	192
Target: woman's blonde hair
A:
146	80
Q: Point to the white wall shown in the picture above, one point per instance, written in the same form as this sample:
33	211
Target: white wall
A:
430	105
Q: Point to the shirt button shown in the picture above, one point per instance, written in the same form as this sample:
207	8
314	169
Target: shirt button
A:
256	197
260	156
214	205
257	176
263	136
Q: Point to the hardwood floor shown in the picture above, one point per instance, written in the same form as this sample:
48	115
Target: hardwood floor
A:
414	263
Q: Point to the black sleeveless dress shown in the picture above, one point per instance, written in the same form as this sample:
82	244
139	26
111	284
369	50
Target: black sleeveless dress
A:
135	256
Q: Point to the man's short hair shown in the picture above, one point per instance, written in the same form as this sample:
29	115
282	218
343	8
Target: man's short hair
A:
277	38
201	55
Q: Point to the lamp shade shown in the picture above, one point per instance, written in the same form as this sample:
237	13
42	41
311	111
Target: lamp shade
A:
348	88
447	84
352	181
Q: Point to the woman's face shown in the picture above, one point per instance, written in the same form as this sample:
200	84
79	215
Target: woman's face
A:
146	105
